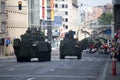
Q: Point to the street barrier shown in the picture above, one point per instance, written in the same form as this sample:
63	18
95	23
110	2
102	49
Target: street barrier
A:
113	66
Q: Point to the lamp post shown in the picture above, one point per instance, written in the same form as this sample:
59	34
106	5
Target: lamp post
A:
112	29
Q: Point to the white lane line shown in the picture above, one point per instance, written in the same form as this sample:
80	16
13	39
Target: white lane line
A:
12	69
49	76
102	77
98	60
30	78
104	72
52	70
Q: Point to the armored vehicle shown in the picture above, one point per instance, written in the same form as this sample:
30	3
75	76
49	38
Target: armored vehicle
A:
69	46
32	45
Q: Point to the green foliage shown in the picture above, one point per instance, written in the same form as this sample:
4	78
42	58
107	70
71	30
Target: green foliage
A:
105	19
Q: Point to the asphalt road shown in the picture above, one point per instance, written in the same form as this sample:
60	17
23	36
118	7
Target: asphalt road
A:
90	67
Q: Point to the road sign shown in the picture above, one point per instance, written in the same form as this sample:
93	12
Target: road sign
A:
7	41
57	20
107	31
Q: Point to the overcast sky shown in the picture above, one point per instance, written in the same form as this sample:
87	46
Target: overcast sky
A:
95	2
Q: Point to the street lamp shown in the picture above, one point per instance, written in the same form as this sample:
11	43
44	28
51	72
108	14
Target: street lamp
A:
112	29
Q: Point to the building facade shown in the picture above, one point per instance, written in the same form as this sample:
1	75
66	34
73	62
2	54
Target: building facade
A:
33	13
47	17
2	27
108	8
97	12
15	23
17	20
68	10
88	16
116	12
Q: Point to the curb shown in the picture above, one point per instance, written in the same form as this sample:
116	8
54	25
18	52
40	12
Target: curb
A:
6	57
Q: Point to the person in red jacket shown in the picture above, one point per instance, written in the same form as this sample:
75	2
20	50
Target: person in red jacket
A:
91	46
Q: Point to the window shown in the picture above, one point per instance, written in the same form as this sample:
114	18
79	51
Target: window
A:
3	26
63	19
63	6
66	12
66	6
66	19
48	14
56	5
63	25
48	3
66	26
3	7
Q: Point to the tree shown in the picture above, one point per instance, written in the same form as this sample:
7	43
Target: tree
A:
105	19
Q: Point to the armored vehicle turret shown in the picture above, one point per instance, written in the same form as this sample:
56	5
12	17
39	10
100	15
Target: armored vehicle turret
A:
32	45
69	46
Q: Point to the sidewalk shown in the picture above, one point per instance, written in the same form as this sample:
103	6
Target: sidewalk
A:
6	57
109	75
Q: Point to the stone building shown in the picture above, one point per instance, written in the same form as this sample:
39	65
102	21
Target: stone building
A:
17	20
68	10
2	27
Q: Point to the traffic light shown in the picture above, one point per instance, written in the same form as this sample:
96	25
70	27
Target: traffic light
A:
20	5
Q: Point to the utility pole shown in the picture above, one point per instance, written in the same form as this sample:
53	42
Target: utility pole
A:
34	19
49	20
49	30
33	13
112	30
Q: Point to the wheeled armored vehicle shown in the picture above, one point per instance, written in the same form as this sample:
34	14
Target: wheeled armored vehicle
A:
32	45
69	46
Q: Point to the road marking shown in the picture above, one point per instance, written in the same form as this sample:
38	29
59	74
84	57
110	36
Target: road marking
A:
49	76
52	70
30	78
12	69
104	72
98	60
92	59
